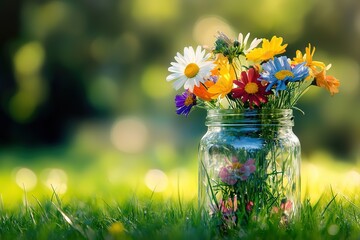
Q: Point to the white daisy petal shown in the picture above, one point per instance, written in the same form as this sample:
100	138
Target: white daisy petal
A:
246	39
197	72
171	77
240	38
178	69
179	83
253	45
180	59
189	85
174	76
198	51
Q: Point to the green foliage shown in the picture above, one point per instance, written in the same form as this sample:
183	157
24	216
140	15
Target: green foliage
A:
333	217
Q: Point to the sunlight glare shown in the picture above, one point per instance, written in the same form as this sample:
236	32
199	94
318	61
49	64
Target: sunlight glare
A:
156	180
206	27
26	178
352	180
129	135
56	179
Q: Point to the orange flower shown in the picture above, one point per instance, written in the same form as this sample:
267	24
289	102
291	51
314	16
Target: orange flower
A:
330	83
308	58
202	91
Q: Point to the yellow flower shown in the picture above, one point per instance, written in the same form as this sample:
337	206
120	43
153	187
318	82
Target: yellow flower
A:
222	63
117	231
225	74
223	85
268	50
330	83
314	66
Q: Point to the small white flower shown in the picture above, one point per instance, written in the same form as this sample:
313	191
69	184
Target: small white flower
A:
190	69
243	42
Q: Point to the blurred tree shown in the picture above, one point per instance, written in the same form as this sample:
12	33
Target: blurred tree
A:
101	59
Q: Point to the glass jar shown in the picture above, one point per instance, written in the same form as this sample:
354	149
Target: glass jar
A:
249	166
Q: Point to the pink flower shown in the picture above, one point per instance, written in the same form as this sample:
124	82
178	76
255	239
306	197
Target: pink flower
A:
247	168
227	175
231	173
286	206
228	209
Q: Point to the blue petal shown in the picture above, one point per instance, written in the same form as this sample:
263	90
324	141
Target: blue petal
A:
270	85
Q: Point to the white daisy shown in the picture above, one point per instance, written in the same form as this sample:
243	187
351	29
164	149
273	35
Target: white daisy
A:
243	42
191	69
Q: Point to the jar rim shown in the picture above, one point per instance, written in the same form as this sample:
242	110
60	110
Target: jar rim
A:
236	117
250	111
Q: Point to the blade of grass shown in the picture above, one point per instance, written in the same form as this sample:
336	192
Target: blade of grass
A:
27	207
328	205
179	198
70	222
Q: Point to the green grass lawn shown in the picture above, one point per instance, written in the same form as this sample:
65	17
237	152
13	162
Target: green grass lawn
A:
332	217
72	195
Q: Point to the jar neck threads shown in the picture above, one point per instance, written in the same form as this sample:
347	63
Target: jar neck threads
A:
235	117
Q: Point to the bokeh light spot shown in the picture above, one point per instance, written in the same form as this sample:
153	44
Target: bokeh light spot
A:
156	180
205	29
29	58
100	48
25	178
152	82
21	106
352	179
103	92
155	11
127	47
56	179
347	71
333	229
129	135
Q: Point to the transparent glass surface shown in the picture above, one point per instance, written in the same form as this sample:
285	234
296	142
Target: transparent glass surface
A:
249	166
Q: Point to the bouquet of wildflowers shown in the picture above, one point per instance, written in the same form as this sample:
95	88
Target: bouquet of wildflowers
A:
233	75
251	172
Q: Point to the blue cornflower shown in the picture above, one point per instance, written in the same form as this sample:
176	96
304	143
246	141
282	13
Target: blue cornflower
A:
184	103
279	72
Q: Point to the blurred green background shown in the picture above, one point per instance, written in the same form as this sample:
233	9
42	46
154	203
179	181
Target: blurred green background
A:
85	109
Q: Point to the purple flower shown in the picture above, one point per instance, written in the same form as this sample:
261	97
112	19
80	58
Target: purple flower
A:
184	103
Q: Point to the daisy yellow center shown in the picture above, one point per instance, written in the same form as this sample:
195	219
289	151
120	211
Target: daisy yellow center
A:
282	74
191	70
251	88
189	100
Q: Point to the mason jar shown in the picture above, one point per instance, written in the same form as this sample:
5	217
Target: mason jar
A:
249	166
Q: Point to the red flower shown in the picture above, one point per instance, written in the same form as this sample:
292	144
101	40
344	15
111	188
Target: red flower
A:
249	206
250	89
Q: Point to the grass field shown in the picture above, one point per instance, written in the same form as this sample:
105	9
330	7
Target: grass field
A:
332	217
93	196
